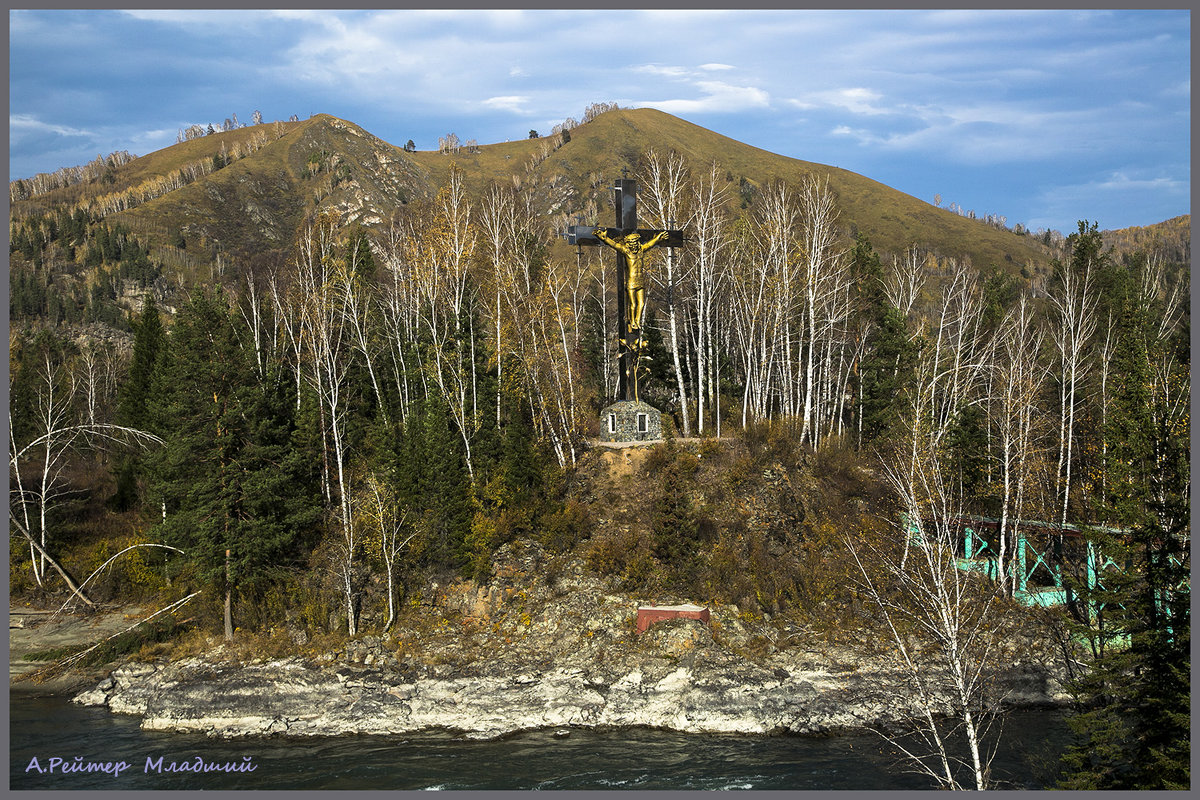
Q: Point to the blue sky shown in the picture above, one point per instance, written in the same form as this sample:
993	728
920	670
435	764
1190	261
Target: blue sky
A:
1044	117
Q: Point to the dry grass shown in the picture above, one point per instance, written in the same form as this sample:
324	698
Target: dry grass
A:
588	163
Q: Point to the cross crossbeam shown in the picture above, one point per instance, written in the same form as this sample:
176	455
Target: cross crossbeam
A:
585	236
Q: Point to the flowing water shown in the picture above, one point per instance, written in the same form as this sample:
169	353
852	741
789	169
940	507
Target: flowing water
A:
52	728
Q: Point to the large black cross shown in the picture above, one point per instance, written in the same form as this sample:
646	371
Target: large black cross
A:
631	342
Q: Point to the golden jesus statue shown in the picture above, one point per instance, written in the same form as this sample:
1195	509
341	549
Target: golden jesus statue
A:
634	252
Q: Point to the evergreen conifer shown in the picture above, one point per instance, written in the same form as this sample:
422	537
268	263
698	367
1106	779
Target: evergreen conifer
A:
1134	700
229	477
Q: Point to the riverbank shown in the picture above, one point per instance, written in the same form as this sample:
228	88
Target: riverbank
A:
545	644
38	630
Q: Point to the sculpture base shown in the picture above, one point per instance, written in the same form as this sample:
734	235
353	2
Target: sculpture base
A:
630	421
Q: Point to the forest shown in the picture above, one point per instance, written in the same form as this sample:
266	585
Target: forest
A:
314	440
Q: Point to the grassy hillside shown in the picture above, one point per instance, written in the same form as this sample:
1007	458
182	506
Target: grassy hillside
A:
253	207
600	148
246	193
1172	239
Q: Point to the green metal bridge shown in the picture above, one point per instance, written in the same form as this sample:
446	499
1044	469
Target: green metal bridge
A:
1042	553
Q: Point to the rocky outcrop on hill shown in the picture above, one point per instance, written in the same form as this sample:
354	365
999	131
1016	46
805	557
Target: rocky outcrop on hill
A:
520	654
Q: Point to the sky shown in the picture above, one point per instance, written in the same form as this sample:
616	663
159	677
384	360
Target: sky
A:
1042	117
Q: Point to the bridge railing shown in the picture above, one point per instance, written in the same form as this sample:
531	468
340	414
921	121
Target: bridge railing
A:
1046	559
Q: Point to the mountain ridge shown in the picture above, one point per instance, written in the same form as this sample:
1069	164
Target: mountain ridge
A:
245	194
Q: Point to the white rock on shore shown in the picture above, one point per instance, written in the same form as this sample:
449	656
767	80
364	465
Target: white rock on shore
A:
297	698
521	654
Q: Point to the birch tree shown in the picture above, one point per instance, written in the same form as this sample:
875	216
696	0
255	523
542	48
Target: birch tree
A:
1015	410
391	531
752	290
1074	306
792	306
58	432
905	281
358	298
509	237
441	256
398	310
826	300
534	314
943	622
710	245
552	372
46	440
99	365
785	352
959	352
664	195
322	283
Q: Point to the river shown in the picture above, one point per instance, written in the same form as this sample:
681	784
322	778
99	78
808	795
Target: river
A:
48	728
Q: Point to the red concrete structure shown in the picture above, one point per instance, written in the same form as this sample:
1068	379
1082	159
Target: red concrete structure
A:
648	615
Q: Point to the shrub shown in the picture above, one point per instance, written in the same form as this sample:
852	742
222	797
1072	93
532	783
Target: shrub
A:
565	527
137	574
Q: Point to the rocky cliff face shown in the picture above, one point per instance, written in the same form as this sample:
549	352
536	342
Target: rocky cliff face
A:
519	654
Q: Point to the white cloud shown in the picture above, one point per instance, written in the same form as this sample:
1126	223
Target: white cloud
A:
23	22
513	103
717	97
856	100
28	124
969	131
447	59
1123	182
846	130
148	141
217	17
665	71
359	58
1180	89
1117	199
802	105
511	19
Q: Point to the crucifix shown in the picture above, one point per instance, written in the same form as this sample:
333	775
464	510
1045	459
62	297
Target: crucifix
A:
630	243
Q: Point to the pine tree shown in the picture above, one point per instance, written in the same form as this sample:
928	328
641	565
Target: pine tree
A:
281	502
967	451
448	494
522	462
134	398
1000	293
431	477
889	355
229	478
885	371
1135	699
147	342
